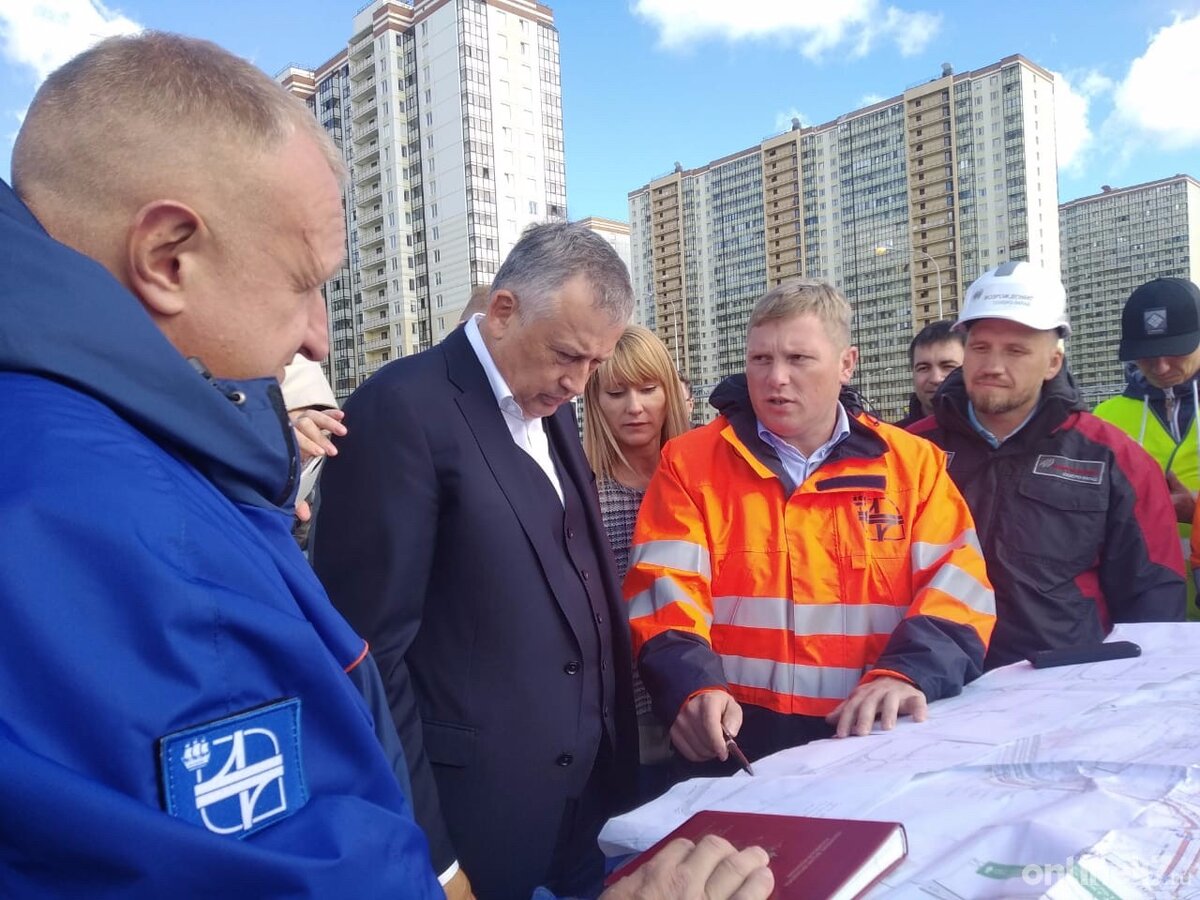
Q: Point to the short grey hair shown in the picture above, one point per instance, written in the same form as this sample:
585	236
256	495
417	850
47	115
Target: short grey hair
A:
798	296
139	112
549	255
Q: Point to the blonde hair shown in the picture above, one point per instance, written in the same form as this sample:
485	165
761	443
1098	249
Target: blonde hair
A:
639	358
800	296
147	116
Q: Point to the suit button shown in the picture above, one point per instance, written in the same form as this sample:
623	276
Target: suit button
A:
570	533
572	668
605	712
565	759
584	574
599	619
604	665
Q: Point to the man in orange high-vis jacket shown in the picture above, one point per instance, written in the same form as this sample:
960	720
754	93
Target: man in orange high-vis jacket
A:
798	567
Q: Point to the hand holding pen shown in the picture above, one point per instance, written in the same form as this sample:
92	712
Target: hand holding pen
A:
736	752
704	727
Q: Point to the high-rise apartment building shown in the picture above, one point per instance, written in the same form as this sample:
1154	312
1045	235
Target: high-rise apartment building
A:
449	116
1112	242
900	204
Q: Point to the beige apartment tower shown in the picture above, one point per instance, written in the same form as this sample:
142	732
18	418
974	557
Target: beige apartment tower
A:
901	204
1113	242
449	115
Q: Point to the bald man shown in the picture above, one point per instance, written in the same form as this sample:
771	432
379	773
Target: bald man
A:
181	710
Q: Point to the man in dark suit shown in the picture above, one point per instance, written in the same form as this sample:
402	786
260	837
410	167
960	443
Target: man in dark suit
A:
460	534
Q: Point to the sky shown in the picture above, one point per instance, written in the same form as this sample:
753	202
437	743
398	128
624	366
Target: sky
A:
648	83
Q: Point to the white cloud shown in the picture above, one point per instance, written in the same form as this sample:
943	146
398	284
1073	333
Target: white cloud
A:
1156	97
783	120
41	35
1073	98
871	99
814	28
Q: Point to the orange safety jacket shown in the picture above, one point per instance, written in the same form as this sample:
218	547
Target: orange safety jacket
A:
790	596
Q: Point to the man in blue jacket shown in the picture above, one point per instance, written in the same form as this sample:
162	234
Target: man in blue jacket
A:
182	712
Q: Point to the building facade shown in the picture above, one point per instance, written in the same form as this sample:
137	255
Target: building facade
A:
449	116
1112	242
900	204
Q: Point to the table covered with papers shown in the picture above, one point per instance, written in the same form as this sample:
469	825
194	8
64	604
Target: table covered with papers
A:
1073	782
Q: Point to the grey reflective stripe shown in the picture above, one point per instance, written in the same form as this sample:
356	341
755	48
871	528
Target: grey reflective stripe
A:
824	682
681	555
925	555
752	612
663	592
805	619
962	585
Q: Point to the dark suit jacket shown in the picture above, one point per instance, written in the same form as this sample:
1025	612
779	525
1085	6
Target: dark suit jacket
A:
428	542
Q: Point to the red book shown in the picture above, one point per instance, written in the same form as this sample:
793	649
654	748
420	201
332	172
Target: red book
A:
813	859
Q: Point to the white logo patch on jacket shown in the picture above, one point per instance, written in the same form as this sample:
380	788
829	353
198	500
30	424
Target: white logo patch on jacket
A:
236	775
1080	471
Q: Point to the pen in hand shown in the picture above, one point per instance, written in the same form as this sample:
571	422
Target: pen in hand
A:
736	751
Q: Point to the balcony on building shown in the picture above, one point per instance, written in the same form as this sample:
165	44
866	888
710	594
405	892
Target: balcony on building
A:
372	343
363	110
358	67
368	154
377	303
363	196
368	219
372	279
362	46
367	131
375	361
362	90
371	240
366	171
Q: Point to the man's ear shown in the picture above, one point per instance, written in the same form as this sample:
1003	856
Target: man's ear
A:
1057	357
161	247
502	311
849	362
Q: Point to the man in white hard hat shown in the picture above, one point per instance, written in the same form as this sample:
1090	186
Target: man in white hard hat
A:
1074	518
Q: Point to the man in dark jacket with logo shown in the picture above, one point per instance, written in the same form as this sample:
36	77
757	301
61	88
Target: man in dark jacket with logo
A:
1074	518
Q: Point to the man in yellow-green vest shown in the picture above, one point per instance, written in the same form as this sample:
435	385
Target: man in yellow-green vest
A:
1160	407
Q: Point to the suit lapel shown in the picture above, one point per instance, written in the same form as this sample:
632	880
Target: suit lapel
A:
508	465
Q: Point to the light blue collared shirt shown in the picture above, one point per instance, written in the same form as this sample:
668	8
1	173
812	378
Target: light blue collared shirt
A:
798	466
987	435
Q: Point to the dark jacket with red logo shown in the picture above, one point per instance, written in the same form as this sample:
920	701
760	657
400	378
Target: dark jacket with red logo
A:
1075	520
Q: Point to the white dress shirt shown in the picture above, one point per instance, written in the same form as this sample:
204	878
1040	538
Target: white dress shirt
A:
527	432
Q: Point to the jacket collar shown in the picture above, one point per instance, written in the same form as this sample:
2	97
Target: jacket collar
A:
1138	388
63	316
1059	400
731	398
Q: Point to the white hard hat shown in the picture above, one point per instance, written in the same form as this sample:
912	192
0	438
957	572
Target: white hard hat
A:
1021	292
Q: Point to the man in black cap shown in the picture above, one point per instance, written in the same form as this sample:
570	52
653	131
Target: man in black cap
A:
1160	407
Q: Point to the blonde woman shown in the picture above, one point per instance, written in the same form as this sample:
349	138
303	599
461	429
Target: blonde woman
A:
632	405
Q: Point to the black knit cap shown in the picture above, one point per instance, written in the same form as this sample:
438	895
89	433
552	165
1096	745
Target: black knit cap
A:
1161	318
